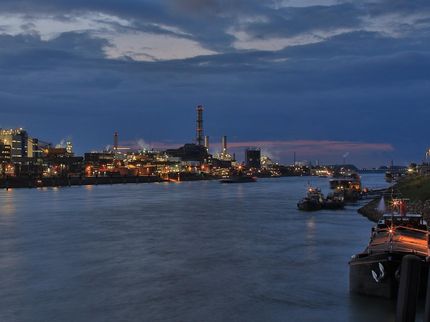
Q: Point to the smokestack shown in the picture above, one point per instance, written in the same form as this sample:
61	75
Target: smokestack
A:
115	141
199	129
224	144
207	143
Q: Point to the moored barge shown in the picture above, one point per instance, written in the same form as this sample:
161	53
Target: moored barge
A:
376	271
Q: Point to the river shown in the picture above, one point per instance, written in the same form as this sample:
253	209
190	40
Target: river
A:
190	251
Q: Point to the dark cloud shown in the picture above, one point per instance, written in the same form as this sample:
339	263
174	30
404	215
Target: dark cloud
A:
67	45
208	21
287	22
199	7
358	86
403	7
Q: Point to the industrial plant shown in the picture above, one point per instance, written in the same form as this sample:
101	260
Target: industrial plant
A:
26	161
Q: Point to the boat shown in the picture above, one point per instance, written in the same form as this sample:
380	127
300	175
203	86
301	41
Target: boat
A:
348	181
376	270
394	175
348	184
314	200
334	201
238	179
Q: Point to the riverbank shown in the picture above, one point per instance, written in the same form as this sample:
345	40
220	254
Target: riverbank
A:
414	188
64	181
16	182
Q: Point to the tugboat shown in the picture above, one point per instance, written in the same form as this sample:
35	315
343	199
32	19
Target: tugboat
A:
349	184
376	271
314	200
334	201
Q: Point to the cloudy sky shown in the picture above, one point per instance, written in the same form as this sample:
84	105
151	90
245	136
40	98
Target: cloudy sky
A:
323	78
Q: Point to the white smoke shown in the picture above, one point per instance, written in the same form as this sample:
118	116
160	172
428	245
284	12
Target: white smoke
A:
272	153
143	145
62	144
345	155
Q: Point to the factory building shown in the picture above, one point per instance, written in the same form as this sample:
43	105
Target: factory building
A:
17	139
69	147
253	158
21	145
189	152
224	155
105	158
5	153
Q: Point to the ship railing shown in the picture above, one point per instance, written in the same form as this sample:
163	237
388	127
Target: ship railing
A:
388	232
426	232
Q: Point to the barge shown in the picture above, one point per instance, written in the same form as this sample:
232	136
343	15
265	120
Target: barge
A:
376	271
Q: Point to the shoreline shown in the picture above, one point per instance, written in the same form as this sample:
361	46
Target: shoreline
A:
30	183
369	210
416	189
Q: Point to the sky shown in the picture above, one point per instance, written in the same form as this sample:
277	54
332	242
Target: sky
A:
326	79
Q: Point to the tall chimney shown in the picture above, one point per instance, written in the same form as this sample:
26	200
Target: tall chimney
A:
115	141
224	144
207	143
199	129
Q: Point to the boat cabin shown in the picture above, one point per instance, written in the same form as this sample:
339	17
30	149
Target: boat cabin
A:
409	220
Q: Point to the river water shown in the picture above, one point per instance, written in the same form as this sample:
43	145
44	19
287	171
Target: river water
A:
190	251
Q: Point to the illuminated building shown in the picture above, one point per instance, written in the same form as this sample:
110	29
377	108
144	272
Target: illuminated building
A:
99	157
96	162
5	158
5	153
30	147
224	155
266	162
56	152
253	158
18	141
55	162
69	147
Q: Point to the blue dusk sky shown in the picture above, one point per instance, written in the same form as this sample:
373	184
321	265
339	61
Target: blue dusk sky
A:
323	78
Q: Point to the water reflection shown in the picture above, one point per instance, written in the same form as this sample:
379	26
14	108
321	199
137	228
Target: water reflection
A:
197	251
310	237
7	202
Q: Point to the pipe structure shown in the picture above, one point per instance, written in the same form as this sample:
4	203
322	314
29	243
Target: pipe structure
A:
207	143
115	141
224	144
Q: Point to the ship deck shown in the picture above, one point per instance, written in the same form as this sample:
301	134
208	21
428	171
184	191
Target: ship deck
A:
400	239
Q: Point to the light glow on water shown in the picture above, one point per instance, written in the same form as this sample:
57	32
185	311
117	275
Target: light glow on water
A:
198	251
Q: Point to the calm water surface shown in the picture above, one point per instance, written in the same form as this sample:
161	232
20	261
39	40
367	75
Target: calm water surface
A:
193	251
